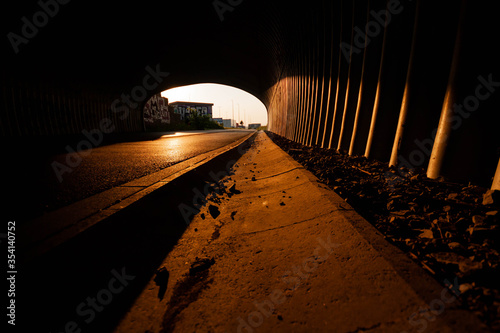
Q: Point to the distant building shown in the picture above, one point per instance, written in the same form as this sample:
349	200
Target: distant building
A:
218	121
187	108
229	122
155	114
254	126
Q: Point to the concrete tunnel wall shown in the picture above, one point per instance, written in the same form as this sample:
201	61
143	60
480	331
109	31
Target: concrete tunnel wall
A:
335	74
383	86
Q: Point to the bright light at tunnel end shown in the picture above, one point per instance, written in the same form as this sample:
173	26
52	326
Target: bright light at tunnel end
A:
229	102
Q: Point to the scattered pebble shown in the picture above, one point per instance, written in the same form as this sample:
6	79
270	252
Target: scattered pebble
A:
451	229
214	211
200	265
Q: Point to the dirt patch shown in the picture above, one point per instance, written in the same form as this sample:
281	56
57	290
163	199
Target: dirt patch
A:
186	291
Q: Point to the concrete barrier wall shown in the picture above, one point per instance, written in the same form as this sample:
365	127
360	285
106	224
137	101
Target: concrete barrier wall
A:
381	78
45	109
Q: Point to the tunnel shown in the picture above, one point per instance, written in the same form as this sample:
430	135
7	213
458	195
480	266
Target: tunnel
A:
410	83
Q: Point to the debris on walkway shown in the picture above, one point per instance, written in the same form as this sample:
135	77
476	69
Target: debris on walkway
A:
288	254
214	211
200	265
161	280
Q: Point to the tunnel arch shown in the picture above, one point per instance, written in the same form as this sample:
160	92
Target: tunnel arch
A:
224	94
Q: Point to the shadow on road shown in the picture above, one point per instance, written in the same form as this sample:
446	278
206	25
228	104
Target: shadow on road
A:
91	281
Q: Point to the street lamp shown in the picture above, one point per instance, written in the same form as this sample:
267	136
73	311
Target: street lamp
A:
233	112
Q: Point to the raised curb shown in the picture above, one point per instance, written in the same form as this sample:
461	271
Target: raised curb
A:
52	229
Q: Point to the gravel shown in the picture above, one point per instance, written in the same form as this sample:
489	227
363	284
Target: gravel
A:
450	229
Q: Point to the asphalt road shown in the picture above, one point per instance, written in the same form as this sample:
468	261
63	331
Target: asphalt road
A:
39	183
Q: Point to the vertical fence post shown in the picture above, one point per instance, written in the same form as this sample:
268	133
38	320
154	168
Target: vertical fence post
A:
445	121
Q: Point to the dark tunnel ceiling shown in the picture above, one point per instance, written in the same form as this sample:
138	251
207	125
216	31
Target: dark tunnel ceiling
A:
108	46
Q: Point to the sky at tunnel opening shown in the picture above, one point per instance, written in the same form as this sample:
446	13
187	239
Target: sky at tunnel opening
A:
251	109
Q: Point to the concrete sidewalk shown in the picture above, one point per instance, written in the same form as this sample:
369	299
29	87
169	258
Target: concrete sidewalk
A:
289	255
